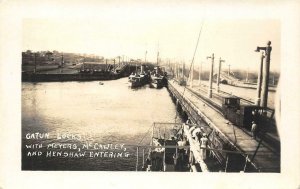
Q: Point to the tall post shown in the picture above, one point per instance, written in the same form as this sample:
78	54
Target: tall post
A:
145	56
119	60
219	72
211	75
259	79
266	72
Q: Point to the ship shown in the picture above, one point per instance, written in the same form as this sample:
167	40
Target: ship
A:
174	150
139	78
158	78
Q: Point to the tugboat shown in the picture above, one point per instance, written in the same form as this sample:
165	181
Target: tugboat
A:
139	79
158	78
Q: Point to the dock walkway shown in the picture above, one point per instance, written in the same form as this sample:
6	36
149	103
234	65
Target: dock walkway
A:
265	159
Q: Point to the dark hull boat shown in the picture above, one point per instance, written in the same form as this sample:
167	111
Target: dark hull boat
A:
158	78
139	79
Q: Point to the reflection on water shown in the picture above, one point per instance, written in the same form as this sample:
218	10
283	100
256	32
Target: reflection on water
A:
109	113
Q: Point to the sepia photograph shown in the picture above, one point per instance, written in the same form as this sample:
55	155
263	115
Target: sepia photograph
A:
188	95
200	91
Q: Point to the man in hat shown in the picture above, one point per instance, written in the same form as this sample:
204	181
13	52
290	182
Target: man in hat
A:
254	129
203	146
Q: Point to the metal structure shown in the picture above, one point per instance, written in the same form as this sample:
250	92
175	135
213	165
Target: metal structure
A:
266	72
259	79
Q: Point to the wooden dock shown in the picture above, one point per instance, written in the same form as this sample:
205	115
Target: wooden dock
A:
264	159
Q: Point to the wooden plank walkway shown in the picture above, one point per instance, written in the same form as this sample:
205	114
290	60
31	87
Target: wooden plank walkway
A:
265	160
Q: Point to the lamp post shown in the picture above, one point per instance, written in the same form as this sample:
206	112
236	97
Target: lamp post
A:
266	72
211	75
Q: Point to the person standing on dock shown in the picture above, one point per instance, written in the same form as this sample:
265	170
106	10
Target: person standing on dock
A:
203	146
254	129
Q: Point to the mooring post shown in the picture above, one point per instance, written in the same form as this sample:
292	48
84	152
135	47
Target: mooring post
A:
211	75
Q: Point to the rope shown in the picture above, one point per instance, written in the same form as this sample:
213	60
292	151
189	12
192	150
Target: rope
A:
192	61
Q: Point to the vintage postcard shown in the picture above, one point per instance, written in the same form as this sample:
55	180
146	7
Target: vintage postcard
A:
150	89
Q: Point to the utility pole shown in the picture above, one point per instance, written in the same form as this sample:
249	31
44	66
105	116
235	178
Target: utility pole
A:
259	79
145	56
266	72
211	75
219	72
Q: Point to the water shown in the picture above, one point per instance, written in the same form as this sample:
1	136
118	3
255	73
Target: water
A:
99	114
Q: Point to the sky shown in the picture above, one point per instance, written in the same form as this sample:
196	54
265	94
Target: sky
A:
172	31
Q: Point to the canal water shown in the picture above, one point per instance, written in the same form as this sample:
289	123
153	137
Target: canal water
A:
88	126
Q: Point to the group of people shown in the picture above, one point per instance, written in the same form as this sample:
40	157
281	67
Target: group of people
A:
200	137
